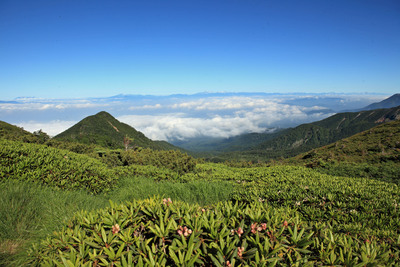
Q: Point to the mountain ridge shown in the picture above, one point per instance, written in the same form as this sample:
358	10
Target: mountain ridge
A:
390	102
104	130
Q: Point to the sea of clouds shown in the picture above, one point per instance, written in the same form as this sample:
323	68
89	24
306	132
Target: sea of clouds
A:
180	117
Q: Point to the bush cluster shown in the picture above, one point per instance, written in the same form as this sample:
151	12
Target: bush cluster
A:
161	232
54	167
172	159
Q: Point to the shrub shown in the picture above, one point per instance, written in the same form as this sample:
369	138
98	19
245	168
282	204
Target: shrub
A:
162	232
55	167
171	159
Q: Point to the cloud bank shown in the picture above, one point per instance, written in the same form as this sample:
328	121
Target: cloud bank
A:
52	128
239	118
180	117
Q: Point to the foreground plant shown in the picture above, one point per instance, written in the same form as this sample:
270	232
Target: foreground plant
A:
158	232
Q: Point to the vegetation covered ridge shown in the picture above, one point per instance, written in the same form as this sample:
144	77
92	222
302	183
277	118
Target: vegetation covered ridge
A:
15	133
104	130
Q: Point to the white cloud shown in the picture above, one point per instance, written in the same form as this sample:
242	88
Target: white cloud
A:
180	126
49	106
174	126
224	103
156	106
52	128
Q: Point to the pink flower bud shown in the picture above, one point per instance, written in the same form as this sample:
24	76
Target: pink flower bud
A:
264	226
239	231
115	229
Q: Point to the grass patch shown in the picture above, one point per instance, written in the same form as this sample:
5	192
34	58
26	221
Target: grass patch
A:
29	212
201	192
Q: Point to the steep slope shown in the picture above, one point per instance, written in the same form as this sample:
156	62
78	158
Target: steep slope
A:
308	136
293	141
104	130
390	102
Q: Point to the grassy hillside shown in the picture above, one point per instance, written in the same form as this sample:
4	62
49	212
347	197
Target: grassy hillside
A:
9	131
54	167
104	130
14	133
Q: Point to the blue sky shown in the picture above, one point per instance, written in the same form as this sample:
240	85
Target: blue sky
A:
75	49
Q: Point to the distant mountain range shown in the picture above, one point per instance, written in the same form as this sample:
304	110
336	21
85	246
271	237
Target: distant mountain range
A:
104	130
218	144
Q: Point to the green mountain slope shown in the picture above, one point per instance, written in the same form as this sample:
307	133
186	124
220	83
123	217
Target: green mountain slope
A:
292	141
104	130
305	137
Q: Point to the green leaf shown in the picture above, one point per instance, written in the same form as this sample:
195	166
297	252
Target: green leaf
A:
173	256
